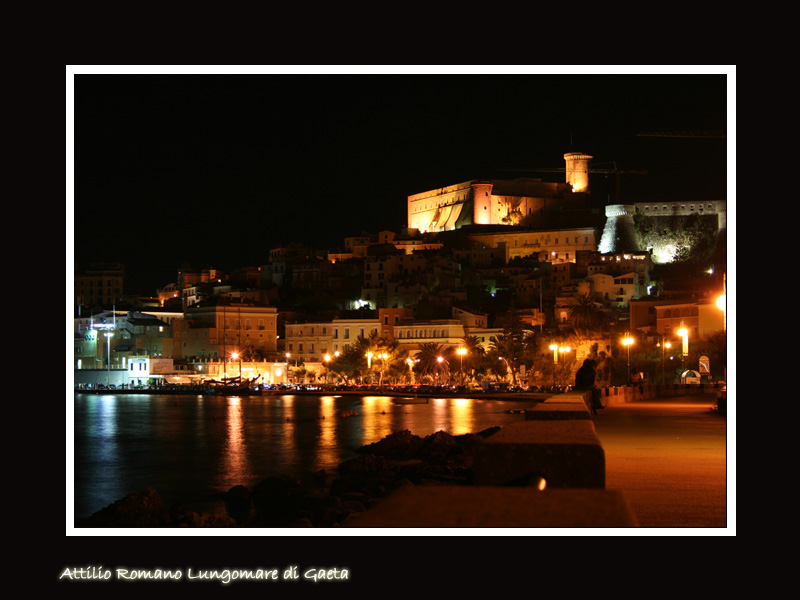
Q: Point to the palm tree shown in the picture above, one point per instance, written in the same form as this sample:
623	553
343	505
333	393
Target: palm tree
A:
431	359
509	348
585	316
475	352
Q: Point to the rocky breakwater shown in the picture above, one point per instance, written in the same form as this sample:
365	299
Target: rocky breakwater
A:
400	459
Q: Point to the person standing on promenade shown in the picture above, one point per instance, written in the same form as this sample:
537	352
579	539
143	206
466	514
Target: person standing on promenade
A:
584	380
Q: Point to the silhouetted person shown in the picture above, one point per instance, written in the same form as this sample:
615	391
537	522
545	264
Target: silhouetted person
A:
584	380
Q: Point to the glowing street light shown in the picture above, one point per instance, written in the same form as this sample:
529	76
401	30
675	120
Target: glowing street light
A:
108	335
684	333
234	356
664	345
410	364
556	350
627	341
722	302
461	352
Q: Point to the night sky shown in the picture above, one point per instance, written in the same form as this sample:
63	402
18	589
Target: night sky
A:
214	170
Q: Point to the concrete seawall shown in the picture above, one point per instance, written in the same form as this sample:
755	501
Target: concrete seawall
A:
632	393
545	471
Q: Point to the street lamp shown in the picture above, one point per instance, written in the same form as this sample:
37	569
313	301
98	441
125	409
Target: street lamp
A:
369	365
287	366
235	356
108	335
327	359
684	333
664	345
556	349
461	352
508	367
627	341
722	302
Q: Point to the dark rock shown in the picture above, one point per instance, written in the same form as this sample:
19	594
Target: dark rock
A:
238	503
140	509
436	446
398	445
276	497
367	465
487	432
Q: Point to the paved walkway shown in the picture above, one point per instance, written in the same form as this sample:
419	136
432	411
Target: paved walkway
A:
670	457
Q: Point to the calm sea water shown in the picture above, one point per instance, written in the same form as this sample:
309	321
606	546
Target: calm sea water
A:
193	448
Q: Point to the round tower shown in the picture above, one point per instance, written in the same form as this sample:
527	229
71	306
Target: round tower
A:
578	170
482	202
619	233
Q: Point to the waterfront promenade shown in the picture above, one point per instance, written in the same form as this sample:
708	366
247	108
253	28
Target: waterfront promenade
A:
666	456
673	459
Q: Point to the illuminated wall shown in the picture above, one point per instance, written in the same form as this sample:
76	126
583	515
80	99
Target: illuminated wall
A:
496	202
619	233
440	209
578	171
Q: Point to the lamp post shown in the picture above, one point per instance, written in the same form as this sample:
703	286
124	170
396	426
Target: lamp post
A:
461	352
664	345
722	302
684	333
556	349
384	357
287	366
410	364
108	335
508	366
627	341
235	356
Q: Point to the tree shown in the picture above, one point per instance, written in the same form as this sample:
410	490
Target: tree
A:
432	362
585	316
508	348
386	357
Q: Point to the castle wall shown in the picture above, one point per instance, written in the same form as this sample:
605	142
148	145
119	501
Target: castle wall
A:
551	245
675	209
430	210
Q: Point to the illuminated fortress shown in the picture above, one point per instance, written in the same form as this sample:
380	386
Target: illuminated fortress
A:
499	201
567	210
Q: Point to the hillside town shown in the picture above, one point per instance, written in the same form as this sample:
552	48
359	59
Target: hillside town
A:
510	283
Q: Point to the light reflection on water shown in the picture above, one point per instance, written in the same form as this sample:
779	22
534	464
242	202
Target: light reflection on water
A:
193	448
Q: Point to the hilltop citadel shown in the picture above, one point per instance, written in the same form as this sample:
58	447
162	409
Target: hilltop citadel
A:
477	259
